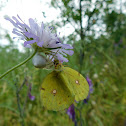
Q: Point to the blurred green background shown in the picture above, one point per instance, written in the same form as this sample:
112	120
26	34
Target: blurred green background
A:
99	41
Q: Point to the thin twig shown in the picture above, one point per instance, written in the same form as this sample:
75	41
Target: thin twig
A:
19	106
22	85
26	99
81	123
79	109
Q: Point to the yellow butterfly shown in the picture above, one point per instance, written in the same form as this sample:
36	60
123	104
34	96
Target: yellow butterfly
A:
62	87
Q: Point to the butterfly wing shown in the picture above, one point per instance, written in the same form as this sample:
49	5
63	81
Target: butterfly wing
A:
54	92
77	83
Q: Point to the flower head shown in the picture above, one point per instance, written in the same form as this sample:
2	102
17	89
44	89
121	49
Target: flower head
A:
35	35
71	112
95	76
31	97
90	88
90	84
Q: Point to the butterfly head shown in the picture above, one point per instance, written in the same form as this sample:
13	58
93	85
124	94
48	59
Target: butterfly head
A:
57	65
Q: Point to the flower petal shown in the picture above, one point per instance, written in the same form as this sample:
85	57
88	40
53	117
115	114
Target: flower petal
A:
67	46
30	35
29	42
69	52
40	43
61	58
28	46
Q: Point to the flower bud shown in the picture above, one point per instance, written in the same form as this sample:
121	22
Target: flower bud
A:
39	61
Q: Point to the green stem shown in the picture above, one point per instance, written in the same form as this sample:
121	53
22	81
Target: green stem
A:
81	123
20	64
